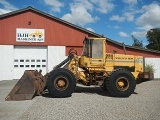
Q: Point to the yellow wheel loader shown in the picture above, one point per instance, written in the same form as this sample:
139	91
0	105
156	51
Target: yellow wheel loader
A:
117	74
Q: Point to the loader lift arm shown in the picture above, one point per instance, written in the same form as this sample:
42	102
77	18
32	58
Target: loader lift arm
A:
68	59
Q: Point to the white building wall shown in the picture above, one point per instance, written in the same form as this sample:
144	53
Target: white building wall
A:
6	62
156	63
56	54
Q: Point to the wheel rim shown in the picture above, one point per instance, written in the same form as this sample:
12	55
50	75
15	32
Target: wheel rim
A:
122	84
61	83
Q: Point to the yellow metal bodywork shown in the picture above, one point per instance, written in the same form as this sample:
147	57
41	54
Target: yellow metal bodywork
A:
105	64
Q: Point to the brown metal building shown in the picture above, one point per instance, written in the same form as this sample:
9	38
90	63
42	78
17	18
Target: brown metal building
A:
58	37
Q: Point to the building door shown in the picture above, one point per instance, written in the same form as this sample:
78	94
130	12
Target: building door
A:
29	58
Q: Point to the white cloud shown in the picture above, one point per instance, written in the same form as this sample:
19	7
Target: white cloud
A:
129	16
139	34
145	27
85	3
123	34
117	18
90	29
54	4
3	11
79	16
131	2
80	13
116	27
150	18
129	10
7	7
103	6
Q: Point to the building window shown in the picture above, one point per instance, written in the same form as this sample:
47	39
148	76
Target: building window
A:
27	60
38	60
43	65
32	60
38	65
43	60
15	66
21	65
32	65
27	66
21	60
15	60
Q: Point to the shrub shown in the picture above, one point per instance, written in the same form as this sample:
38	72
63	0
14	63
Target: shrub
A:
149	68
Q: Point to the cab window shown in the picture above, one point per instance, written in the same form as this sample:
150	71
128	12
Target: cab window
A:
97	49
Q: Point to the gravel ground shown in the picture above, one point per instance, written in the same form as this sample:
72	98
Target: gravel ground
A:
86	103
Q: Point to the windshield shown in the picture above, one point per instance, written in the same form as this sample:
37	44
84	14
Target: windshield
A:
97	49
92	48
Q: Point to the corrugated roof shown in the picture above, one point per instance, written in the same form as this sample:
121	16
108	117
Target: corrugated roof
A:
75	26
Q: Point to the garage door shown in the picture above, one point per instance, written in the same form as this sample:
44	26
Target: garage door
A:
29	58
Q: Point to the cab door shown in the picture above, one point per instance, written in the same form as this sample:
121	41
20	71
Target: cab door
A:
96	59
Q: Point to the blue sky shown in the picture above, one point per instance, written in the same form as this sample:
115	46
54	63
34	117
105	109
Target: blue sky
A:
115	19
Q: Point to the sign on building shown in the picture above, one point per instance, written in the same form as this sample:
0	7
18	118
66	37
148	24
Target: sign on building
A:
29	35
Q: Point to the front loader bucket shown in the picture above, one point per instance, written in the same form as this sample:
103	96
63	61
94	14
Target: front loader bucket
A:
30	84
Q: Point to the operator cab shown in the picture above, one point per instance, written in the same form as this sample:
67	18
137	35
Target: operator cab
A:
93	54
92	48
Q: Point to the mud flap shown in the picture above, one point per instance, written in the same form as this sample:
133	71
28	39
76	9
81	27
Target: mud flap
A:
32	83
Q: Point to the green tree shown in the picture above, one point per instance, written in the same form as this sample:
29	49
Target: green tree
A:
136	42
153	37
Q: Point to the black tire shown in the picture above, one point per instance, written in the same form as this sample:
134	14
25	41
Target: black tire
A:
120	83
104	88
61	83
